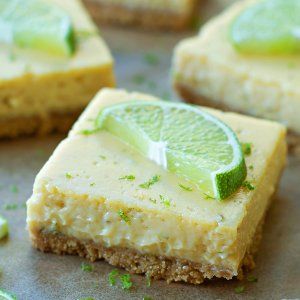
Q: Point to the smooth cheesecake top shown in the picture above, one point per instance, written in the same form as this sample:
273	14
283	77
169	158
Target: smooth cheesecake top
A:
90	52
91	165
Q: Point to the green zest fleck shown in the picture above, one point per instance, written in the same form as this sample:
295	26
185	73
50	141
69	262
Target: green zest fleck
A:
196	22
186	188
252	278
166	96
127	177
291	65
251	167
152	85
126	281
147	184
166	202
11	206
247	148
7	296
151	59
123	216
69	176
102	157
152	200
148	280
138	79
208	197
247	184
14	189
89	131
12	56
147	298
239	289
86	267
92	184
112	277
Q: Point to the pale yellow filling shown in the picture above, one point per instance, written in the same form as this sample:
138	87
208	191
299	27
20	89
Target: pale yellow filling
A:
79	193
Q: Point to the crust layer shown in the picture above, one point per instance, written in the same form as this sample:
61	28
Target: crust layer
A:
186	93
157	267
150	19
37	125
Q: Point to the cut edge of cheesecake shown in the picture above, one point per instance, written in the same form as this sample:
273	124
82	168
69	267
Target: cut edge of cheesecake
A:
170	269
105	13
160	266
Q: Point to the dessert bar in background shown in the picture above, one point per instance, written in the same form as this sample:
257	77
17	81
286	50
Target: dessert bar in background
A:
210	69
41	92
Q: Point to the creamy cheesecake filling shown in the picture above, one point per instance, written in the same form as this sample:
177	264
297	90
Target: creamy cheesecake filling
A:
97	219
63	92
148	232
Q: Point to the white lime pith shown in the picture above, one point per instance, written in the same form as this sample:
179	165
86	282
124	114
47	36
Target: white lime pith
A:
183	139
36	24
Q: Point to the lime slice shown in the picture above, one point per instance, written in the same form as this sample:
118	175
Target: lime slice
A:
3	228
268	27
36	24
6	296
182	139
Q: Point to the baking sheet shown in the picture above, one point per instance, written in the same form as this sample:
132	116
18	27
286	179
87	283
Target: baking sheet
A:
32	275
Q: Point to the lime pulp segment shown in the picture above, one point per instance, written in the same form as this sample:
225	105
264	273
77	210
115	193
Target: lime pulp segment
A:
182	139
36	24
268	27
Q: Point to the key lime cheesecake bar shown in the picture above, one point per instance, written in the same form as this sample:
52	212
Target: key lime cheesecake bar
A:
155	14
101	198
246	59
53	62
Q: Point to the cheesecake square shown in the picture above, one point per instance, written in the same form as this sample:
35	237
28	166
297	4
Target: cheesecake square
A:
161	14
40	93
208	70
90	199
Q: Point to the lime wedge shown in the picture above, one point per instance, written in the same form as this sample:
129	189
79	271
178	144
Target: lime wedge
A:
3	228
6	296
36	24
268	27
182	139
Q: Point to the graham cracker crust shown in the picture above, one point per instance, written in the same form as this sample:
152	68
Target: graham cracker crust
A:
157	267
38	125
293	139
149	19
